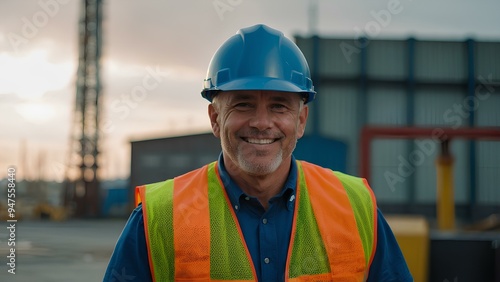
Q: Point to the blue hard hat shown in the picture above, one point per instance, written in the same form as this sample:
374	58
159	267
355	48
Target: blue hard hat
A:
258	58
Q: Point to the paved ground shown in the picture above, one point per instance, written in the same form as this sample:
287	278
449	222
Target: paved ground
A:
76	250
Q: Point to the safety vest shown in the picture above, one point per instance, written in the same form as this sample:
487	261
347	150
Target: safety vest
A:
193	234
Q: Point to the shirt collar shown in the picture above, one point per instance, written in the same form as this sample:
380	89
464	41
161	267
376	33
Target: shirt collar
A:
235	193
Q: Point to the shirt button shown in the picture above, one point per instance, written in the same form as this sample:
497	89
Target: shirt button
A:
264	221
266	260
236	207
247	198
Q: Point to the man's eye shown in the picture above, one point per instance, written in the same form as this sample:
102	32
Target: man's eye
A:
242	106
279	107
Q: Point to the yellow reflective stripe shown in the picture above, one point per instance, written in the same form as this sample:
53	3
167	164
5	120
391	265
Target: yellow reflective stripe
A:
308	254
364	210
158	212
229	257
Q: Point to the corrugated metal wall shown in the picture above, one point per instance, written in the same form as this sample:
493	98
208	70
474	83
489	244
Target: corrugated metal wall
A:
336	123
410	83
440	62
487	67
387	60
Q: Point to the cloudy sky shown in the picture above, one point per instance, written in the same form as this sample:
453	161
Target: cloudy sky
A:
173	40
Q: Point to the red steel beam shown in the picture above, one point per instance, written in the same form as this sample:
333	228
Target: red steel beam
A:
438	133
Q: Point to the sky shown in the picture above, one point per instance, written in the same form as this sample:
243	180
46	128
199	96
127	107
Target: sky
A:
172	42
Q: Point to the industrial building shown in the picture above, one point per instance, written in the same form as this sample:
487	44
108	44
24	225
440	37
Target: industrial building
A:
411	83
388	110
164	158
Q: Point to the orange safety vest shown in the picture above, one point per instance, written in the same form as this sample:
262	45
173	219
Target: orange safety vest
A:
193	234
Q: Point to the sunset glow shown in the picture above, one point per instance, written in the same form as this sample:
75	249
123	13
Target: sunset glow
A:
32	75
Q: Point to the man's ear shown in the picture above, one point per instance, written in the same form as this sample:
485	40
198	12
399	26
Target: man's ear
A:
302	121
213	115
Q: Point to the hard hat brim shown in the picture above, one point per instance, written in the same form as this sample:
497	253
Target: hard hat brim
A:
259	83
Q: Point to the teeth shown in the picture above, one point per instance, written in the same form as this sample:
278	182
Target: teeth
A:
260	141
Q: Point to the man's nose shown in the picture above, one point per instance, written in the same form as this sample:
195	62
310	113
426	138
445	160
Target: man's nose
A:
263	118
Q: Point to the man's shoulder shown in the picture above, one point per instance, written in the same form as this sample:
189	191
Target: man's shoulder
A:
188	174
339	174
348	177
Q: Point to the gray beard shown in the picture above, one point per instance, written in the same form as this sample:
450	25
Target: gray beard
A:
260	169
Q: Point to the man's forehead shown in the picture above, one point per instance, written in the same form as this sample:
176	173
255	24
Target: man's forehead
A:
254	94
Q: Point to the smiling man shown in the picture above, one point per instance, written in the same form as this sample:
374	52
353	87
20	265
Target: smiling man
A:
258	214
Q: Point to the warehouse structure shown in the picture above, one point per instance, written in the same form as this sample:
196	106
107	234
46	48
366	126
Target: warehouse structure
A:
411	83
164	158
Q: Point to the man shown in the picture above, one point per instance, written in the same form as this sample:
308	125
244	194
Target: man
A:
257	213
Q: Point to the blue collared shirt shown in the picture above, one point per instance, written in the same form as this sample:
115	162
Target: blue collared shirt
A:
267	235
266	232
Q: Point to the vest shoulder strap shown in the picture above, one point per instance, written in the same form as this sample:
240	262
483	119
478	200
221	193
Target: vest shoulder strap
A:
156	199
346	214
